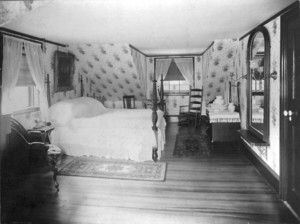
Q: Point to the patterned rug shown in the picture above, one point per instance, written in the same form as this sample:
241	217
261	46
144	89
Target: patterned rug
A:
192	145
118	169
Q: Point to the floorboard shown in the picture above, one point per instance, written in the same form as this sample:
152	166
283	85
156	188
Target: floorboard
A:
224	188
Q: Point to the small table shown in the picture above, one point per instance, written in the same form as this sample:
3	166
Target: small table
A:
44	131
224	125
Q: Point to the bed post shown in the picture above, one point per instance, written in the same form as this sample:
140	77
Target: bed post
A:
154	120
81	86
48	90
162	103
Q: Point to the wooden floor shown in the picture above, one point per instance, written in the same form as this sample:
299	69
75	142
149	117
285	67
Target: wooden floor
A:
224	188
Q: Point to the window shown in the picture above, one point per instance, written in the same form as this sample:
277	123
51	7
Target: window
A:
25	93
177	74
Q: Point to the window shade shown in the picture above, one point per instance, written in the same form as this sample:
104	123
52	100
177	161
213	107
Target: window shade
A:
25	77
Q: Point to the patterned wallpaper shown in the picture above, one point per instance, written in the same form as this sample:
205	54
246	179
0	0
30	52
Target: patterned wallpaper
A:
222	61
108	71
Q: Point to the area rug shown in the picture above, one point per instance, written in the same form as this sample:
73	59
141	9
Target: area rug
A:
119	169
192	145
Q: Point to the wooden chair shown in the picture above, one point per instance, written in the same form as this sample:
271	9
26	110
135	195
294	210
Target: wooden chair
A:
129	102
193	109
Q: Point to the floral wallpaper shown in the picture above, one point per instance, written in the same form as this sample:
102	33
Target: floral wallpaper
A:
220	61
108	71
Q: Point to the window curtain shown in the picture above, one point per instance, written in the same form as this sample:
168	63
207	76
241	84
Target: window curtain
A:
162	66
12	58
185	65
140	62
35	61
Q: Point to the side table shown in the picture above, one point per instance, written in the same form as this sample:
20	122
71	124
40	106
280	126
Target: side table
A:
44	131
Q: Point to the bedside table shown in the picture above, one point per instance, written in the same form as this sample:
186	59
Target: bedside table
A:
44	131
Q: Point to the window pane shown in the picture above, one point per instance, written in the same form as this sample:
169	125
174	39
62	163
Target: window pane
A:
20	98
176	86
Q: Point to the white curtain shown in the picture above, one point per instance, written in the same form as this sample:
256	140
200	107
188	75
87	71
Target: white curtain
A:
140	62
35	61
185	65
162	67
12	58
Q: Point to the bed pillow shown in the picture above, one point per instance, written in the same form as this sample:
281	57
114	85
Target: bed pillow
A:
63	112
86	107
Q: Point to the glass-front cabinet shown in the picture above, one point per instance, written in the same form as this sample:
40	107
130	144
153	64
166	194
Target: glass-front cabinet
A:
258	83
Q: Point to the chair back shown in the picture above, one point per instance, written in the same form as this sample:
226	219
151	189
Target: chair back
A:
129	102
195	100
17	127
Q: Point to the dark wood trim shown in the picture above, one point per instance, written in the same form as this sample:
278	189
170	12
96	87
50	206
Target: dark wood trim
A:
134	48
284	152
280	13
174	55
212	43
266	127
271	177
28	37
170	55
1	61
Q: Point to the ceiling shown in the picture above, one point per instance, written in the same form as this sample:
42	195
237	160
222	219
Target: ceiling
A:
153	26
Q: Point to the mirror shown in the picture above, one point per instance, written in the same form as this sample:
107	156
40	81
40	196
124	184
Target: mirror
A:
258	83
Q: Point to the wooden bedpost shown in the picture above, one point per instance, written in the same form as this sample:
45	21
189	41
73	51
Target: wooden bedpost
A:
154	120
162	103
81	86
48	90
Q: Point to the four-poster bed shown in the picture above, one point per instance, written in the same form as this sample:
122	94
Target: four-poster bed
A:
85	127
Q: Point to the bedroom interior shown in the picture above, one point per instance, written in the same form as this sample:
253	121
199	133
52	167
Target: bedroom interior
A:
73	66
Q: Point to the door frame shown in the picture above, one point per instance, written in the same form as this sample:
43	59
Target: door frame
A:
284	123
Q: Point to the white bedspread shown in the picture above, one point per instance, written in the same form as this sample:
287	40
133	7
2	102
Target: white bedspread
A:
114	133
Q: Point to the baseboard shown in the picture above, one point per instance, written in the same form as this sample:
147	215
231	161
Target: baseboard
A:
261	166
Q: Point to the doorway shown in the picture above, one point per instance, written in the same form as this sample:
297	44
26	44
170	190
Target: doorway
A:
290	109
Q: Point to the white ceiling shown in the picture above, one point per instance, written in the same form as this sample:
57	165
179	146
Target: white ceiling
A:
153	26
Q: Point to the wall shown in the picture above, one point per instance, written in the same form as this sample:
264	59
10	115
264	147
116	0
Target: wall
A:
226	56
218	62
173	102
28	119
271	154
108	71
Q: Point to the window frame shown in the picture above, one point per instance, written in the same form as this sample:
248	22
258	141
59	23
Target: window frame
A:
175	92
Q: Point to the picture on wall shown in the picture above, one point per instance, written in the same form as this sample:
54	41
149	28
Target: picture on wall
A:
64	69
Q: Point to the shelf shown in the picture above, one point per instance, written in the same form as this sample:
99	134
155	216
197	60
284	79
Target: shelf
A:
252	139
